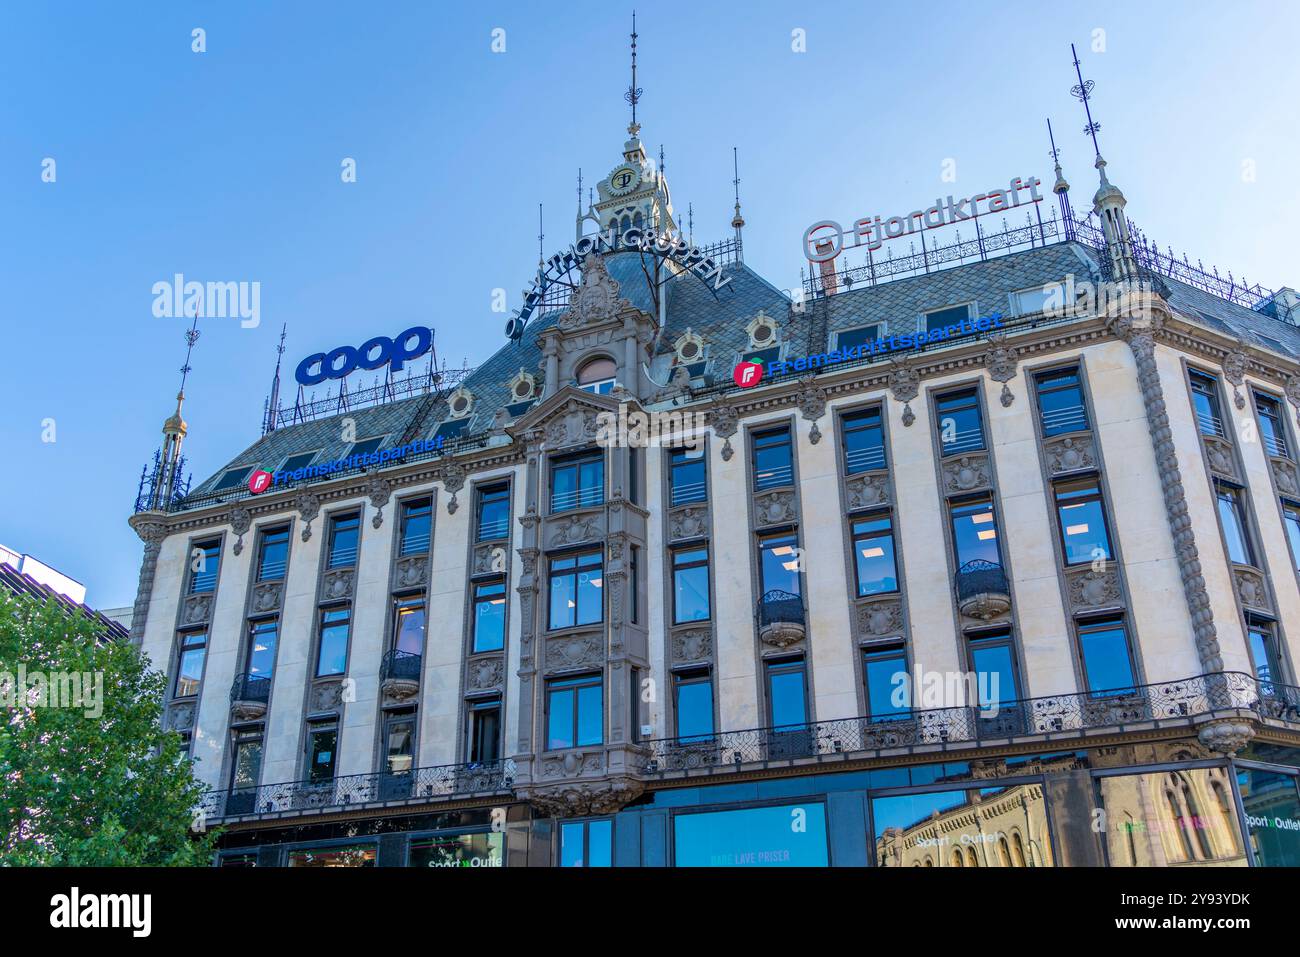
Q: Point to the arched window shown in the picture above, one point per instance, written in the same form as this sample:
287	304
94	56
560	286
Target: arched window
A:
971	859
1004	852
1195	821
956	859
1017	849
1179	825
627	223
597	375
637	220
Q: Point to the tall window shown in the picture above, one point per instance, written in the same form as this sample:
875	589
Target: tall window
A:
993	659
205	560
484	729
787	692
864	441
578	481
773	462
493	512
597	375
1081	517
686	476
335	625
575	712
778	563
587	843
693	703
961	426
262	637
416	526
1205	399
884	669
273	554
1291	519
1107	661
408	625
691	584
399	742
246	765
1060	402
1232	515
344	531
576	589
489	616
322	750
189	668
873	554
1263	653
975	531
1272	425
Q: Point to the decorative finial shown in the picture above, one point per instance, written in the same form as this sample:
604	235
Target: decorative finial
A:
690	223
1082	93
191	337
661	160
633	94
579	190
541	236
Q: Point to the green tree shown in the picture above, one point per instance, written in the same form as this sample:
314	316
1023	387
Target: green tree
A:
98	782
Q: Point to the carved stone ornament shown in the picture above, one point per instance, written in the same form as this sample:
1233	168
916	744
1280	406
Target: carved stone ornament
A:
966	473
325	696
596	299
688	521
579	651
866	489
411	572
196	610
1219	453
1000	360
783	634
1251	588
1234	370
904	385
241	520
722	418
880	618
489	558
453	480
774	508
1069	454
1292	390
378	491
573	530
580	800
1090	588
337	584
308	506
485	674
1284	476
1226	737
576	426
695	644
812	406
180	716
266	596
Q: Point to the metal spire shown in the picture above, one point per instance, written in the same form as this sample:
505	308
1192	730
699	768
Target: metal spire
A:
541	236
690	223
737	221
1081	93
273	403
633	94
579	190
1061	188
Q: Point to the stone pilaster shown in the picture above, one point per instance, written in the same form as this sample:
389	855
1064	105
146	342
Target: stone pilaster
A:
152	531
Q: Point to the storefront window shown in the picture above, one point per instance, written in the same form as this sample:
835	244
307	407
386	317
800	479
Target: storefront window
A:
458	850
1272	816
791	835
1183	817
991	827
357	855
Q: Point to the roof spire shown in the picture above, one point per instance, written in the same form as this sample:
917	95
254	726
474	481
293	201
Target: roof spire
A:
633	94
541	237
1108	203
273	403
1061	188
1081	93
737	221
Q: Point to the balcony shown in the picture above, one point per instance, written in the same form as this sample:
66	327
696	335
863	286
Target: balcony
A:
982	590
960	728
417	786
249	694
399	674
780	618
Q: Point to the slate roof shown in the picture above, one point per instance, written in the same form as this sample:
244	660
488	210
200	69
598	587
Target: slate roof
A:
21	584
721	320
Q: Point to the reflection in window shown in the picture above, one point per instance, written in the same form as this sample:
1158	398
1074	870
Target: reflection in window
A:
779	563
458	850
493	512
587	843
189	671
1232	516
955	828
1060	402
873	555
335	626
773	463
1205	401
1263	654
691	584
261	647
408	626
1107	664
489	616
787	696
273	554
205	560
576	590
693	702
484	730
416	525
1081	517
577	482
359	855
399	743
575	713
993	660
792	835
322	750
1272	806
343	535
686	476
1163	818
864	441
975	531
885	673
597	376
1291	519
961	427
1272	425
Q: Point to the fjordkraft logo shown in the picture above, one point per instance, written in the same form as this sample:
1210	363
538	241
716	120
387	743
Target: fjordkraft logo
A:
747	374
259	482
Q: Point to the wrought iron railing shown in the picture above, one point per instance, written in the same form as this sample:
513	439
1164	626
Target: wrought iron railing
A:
972	725
403	665
250	687
980	578
416	785
779	607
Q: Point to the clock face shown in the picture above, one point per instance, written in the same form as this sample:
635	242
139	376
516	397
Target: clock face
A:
623	180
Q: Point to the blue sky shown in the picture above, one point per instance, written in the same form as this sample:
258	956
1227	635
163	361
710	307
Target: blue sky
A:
225	165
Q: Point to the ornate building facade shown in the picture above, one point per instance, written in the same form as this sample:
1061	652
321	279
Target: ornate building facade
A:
1024	593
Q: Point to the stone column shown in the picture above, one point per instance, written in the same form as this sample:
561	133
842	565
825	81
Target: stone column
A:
152	531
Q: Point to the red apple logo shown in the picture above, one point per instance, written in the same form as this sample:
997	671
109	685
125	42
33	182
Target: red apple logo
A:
747	374
259	482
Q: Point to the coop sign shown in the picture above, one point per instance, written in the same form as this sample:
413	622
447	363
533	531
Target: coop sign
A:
668	244
826	239
371	354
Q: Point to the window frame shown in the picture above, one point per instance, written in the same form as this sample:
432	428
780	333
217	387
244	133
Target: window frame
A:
321	624
314	728
688	459
961	393
1278	418
1206	384
1096	625
335	520
923	319
676	566
1098	496
476	599
886	651
1240	511
854	422
573	683
473	708
404	508
181	649
1043	387
262	535
577	461
786	665
211	548
876	515
490	493
758	435
552	573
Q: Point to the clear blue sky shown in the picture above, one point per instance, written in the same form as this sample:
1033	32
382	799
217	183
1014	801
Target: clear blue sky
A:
225	166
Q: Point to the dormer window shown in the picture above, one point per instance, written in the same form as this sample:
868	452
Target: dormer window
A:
689	348
460	403
762	331
522	387
597	376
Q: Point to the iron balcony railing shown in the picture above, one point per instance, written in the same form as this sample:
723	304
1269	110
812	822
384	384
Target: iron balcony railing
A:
779	607
981	578
403	665
973	725
250	687
416	785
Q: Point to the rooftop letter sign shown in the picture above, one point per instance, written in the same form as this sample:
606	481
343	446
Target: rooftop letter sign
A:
372	354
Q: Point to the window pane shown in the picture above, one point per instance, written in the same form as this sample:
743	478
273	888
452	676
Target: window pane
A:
490	617
975	533
995	673
1234	531
1262	655
1271	426
560	709
1082	523
873	552
779	564
572	853
886	672
194	649
600	843
590	607
752	837
1168	818
359	856
1292	516
1106	661
694	707
205	560
772	463
494	514
1272	813
261	651
591	482
1060	402
786	690
688	477
691	588
247	764
409	629
864	442
333	643
343	541
400	747
591	715
417	518
1206	402
323	748
960	426
275	553
564	597
458	850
